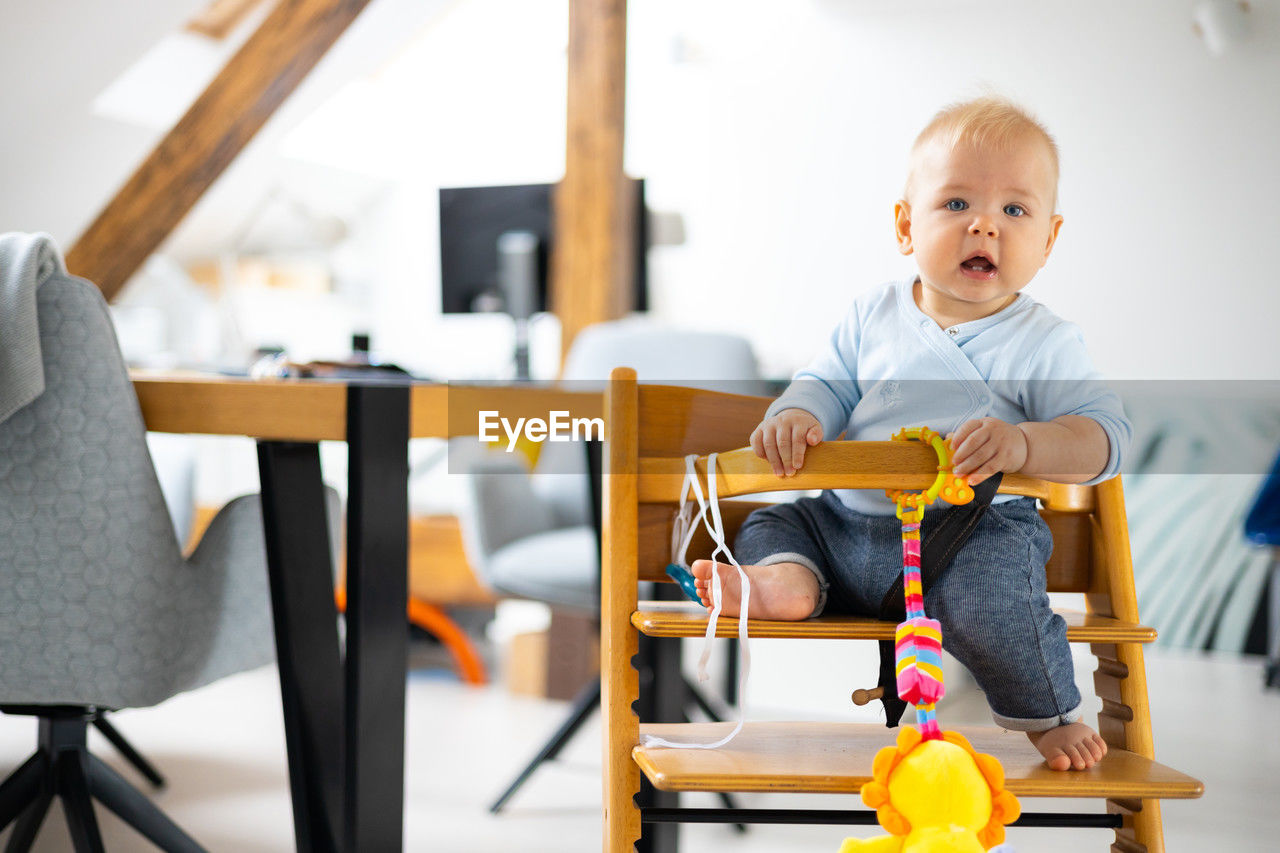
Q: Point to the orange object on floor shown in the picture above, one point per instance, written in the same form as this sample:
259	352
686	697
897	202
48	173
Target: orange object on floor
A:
435	621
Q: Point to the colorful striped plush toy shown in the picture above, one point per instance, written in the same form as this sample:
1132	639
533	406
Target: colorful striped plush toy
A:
918	640
931	791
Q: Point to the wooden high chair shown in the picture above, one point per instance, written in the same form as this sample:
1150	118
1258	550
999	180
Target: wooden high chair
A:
650	429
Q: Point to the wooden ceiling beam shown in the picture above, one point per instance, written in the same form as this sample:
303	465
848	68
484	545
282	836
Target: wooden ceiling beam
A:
220	17
255	81
594	204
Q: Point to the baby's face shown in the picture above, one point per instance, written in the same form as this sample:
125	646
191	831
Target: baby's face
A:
981	225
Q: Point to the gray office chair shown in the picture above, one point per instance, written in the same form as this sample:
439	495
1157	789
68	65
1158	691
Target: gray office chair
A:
98	608
536	535
533	536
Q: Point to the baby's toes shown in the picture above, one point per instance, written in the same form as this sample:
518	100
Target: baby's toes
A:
1059	760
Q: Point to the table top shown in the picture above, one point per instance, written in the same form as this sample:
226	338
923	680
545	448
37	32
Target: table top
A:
316	410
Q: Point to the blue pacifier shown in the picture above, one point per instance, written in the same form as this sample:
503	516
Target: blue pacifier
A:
684	578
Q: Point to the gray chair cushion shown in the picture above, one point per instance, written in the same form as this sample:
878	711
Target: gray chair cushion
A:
512	510
559	567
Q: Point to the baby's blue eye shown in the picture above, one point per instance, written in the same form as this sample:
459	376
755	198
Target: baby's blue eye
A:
1014	209
957	204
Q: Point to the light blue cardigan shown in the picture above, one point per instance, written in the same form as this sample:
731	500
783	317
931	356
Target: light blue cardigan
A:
889	366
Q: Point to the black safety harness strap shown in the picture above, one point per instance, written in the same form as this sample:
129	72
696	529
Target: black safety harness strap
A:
936	552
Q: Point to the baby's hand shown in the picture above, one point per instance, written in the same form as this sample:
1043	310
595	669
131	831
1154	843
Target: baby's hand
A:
783	439
982	447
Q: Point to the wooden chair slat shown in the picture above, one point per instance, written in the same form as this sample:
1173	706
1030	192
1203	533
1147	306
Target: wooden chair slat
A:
687	619
676	421
835	758
839	465
1068	569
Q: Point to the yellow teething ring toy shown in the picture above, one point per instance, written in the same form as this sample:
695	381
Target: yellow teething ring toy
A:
949	487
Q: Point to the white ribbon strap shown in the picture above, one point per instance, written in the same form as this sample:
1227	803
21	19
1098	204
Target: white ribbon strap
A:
683	528
715	527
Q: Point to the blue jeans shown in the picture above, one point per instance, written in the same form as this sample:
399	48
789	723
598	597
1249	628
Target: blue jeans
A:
991	601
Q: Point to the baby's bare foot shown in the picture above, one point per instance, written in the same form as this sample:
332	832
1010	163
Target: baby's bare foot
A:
1074	746
782	591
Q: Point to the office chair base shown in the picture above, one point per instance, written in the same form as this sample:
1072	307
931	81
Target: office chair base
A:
126	750
63	767
588	700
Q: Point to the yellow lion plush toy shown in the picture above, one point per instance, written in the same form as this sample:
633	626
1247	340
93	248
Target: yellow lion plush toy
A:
936	796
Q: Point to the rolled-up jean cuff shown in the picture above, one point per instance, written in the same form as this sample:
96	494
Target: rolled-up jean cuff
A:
792	557
1042	724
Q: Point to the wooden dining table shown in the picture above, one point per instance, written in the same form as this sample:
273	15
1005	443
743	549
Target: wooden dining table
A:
343	702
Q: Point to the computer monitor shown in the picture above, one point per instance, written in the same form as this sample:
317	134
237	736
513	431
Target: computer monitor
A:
473	221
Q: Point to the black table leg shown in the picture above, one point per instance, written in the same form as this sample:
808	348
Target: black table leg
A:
300	568
377	629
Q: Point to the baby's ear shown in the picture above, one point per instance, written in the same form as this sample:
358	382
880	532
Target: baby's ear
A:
1055	225
902	225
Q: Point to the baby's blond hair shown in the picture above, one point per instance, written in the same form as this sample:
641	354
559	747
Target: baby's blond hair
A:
989	122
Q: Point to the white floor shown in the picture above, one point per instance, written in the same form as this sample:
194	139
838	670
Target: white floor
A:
222	749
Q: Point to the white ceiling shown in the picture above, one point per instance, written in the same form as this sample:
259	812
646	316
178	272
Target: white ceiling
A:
60	163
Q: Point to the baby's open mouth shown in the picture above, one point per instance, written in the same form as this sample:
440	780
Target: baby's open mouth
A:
979	263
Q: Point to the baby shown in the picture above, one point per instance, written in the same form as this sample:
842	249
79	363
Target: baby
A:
960	349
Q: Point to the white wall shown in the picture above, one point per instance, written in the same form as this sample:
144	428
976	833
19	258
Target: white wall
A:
475	98
780	131
782	136
55	58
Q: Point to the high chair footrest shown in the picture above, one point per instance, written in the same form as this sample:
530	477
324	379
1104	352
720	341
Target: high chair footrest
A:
855	817
819	757
686	619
